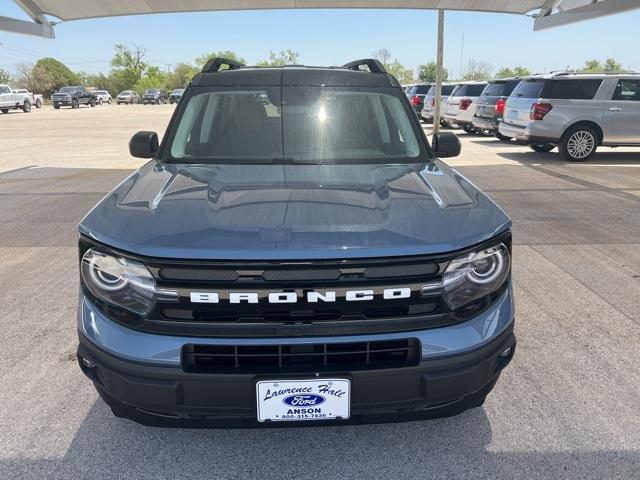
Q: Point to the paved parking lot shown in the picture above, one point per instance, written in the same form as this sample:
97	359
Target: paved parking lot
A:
567	407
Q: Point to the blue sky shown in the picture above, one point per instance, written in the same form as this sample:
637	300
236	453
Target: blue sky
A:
331	37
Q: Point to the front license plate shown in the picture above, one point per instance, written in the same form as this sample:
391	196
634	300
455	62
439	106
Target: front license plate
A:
302	400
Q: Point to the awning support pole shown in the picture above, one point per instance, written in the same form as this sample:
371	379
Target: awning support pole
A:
439	67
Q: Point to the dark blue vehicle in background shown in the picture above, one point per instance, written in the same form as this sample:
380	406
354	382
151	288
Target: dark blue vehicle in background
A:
294	251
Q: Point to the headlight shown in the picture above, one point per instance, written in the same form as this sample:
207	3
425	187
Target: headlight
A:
475	275
119	281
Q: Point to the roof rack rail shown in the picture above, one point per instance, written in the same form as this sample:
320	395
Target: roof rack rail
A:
215	64
565	73
375	66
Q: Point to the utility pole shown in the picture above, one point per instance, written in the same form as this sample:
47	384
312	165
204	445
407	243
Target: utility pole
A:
461	56
439	67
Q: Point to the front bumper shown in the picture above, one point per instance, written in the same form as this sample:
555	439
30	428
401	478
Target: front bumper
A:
140	376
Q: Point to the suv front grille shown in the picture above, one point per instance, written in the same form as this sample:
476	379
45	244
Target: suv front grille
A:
300	358
324	302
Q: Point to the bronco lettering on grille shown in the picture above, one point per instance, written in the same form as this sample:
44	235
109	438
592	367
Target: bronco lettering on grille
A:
309	297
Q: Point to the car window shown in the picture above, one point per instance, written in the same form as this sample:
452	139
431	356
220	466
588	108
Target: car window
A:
5	90
421	89
571	89
470	90
447	89
627	90
305	125
508	87
493	90
528	89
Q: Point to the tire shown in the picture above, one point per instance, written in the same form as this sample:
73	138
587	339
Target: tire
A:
469	130
579	143
100	101
109	101
502	138
75	104
92	102
38	103
542	147
26	108
56	106
5	110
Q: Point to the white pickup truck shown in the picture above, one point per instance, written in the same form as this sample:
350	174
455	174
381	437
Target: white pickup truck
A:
36	98
12	100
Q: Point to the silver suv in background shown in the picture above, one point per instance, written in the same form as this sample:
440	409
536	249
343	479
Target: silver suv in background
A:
461	105
490	106
429	107
575	112
102	96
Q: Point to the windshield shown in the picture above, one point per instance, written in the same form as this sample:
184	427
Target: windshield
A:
67	90
151	91
178	90
126	92
294	124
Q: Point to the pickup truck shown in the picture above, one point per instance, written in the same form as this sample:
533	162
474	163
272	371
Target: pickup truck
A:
73	97
36	98
13	100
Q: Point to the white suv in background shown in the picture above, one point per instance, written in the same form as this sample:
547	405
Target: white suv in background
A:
102	96
575	112
460	107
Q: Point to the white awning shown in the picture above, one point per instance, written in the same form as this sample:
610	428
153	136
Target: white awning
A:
82	9
547	13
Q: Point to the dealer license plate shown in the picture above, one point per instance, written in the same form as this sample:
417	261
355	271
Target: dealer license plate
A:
302	400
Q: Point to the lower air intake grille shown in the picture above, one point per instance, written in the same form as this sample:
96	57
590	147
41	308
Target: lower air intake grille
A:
300	358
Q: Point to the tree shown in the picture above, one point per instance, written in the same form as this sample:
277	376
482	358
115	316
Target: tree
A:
427	73
46	76
228	54
35	79
522	72
610	65
477	70
127	66
152	78
4	76
392	66
516	72
180	76
593	66
284	57
97	80
505	73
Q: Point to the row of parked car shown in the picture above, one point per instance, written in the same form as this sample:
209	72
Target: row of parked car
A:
75	96
574	112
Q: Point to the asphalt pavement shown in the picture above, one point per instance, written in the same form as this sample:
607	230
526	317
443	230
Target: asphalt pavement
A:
567	407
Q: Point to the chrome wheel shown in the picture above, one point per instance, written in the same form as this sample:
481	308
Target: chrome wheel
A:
581	144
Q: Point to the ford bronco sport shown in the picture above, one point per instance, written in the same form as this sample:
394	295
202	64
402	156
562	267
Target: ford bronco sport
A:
294	251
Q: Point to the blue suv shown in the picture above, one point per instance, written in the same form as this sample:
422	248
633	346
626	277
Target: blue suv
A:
294	251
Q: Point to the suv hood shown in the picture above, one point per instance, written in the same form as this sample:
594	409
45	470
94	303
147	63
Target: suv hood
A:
293	212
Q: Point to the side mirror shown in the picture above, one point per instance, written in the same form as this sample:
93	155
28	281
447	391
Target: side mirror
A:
446	145
144	144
